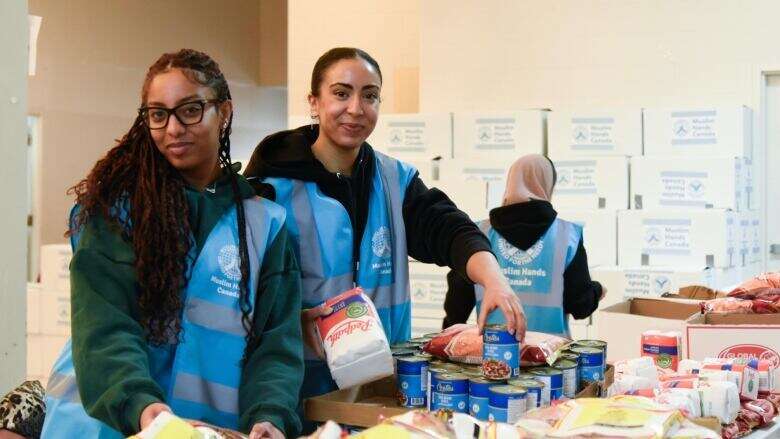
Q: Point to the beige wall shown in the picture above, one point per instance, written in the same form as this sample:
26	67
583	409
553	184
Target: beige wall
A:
537	53
13	145
388	30
92	56
273	42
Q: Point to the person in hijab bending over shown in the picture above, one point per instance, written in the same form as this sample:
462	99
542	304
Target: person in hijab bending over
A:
542	256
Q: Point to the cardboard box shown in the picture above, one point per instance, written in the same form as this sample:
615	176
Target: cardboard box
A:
33	308
648	282
621	325
421	136
469	170
428	287
591	183
734	336
688	182
698	132
469	196
55	266
610	132
505	135
428	170
54	312
599	229
677	238
361	406
42	352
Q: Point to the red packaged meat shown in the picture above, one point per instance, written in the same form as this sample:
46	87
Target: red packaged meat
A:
757	286
462	343
761	407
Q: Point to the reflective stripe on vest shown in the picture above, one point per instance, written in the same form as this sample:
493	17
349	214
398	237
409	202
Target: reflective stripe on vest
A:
323	233
204	378
536	275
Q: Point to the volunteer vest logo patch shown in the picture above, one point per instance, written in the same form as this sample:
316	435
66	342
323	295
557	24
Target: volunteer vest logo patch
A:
229	262
751	352
380	242
517	256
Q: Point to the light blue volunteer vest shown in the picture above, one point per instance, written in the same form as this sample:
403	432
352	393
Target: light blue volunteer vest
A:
200	375
536	275
323	234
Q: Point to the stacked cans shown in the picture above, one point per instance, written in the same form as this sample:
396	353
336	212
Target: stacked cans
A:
497	389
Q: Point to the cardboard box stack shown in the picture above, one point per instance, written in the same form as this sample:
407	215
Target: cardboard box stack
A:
591	150
48	311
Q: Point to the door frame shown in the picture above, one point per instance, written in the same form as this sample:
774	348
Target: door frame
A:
760	76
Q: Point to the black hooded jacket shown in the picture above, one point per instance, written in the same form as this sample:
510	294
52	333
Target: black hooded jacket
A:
522	225
436	230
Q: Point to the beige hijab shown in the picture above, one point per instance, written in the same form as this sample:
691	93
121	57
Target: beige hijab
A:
530	177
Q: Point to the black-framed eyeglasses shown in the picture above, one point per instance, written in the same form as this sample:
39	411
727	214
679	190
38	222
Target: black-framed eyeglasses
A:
188	113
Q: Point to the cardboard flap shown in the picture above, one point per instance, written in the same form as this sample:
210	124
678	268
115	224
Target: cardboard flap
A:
742	319
664	309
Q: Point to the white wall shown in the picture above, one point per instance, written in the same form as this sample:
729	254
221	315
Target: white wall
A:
92	58
388	30
13	170
536	53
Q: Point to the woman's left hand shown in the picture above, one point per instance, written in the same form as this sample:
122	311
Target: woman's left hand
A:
482	268
263	430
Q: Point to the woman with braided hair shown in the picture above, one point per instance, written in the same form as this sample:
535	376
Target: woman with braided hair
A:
185	289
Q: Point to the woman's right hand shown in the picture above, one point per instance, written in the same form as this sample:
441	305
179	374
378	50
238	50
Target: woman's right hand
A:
150	412
603	293
308	325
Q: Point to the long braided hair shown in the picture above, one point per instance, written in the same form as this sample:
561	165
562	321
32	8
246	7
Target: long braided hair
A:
135	177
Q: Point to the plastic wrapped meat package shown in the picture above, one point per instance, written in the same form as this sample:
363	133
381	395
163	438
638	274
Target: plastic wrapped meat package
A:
462	343
355	345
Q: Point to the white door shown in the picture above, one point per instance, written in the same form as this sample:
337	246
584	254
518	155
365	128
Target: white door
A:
771	172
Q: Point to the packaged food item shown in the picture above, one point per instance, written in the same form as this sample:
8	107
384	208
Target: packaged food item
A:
412	381
507	403
169	426
687	366
592	363
763	408
500	353
744	376
663	347
553	383
479	393
727	305
719	399
463	343
571	377
534	388
625	384
450	392
639	367
355	345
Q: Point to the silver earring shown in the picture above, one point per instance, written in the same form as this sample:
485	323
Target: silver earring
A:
313	118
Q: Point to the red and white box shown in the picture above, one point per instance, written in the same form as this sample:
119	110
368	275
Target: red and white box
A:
739	337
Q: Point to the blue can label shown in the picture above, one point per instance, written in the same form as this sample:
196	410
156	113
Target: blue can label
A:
592	365
506	408
500	354
414	388
553	388
447	401
534	397
478	407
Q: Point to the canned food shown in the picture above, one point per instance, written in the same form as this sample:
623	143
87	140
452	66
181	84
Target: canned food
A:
571	377
506	403
525	375
451	392
412	379
534	387
553	384
419	341
403	345
433	370
591	363
478	397
569	355
403	352
426	355
452	367
598	344
500	353
471	373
